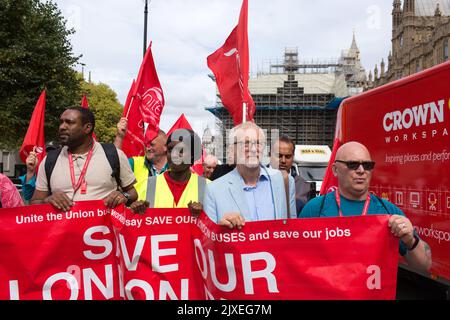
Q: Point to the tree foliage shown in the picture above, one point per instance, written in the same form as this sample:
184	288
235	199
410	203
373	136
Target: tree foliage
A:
35	53
106	108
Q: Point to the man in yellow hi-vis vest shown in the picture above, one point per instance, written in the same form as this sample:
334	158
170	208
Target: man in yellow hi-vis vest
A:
152	164
178	186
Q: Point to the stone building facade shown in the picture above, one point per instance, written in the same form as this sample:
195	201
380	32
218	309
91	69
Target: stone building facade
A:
420	39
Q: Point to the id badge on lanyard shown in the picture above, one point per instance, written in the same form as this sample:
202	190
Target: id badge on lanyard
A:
338	201
81	183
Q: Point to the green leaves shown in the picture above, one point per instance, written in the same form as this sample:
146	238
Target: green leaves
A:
34	53
107	109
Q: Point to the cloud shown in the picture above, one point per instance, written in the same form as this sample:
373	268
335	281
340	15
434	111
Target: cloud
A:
109	34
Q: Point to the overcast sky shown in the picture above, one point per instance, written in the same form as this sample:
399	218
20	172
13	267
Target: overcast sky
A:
109	35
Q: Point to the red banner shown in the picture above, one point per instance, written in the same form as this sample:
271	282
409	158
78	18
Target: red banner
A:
156	253
58	255
167	254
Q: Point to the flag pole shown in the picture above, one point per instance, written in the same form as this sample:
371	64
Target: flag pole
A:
244	112
145	26
129	107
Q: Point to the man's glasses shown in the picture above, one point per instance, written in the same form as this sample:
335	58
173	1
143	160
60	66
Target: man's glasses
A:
354	165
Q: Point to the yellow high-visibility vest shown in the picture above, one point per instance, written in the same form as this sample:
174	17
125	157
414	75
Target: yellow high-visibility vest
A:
160	196
141	173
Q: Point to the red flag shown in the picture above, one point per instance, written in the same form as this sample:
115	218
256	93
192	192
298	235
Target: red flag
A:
133	142
85	104
181	123
231	69
148	92
330	182
34	139
197	167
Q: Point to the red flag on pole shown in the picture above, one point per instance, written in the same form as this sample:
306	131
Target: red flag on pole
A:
34	139
84	102
133	142
85	105
181	123
231	68
330	182
197	167
148	92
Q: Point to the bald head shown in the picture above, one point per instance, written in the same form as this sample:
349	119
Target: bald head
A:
210	160
353	151
209	164
353	169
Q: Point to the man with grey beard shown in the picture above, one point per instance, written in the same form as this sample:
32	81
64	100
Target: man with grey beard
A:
251	192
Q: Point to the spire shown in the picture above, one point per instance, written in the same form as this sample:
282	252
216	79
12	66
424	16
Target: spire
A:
437	12
354	50
382	68
375	72
354	46
396	14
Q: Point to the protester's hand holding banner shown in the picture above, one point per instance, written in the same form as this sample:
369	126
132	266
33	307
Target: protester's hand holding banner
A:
93	253
58	255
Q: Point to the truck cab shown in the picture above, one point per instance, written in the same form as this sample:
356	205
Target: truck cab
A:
311	162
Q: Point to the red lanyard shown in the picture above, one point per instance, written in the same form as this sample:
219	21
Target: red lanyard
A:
338	201
81	181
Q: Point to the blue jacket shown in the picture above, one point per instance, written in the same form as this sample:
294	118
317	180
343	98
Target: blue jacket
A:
225	195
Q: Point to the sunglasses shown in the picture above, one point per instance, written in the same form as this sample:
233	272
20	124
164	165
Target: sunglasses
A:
354	165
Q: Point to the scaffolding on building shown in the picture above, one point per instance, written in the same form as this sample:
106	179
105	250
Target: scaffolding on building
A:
299	103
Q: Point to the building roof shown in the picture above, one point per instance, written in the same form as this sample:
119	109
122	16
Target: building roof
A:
428	7
313	83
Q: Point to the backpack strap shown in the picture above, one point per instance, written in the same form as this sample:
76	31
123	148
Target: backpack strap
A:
49	165
113	159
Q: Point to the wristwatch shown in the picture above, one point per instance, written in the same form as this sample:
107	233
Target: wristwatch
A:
126	195
416	242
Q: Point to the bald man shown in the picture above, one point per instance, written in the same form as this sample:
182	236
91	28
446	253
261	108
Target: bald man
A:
353	168
209	164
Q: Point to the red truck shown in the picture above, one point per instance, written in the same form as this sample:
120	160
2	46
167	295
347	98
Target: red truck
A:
405	125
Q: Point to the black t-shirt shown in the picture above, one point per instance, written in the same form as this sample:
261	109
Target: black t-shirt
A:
221	170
